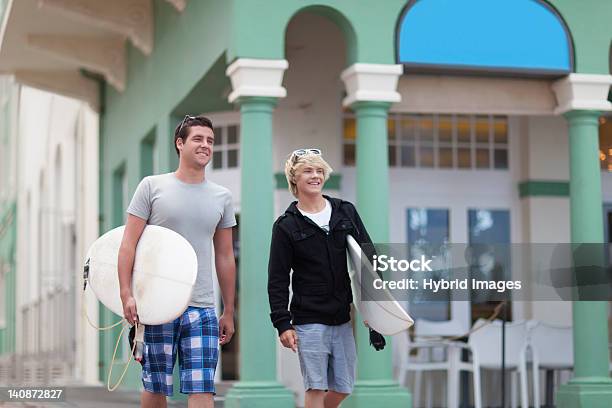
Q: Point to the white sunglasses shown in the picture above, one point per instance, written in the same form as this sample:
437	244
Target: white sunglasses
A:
302	152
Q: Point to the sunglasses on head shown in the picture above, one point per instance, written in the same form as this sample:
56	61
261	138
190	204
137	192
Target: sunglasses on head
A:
187	117
302	152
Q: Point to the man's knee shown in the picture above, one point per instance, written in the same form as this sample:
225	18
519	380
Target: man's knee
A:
315	394
153	395
152	399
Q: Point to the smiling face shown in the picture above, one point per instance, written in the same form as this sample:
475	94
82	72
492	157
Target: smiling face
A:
306	174
197	149
309	179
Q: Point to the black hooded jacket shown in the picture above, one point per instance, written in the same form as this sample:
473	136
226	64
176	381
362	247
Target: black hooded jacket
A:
321	285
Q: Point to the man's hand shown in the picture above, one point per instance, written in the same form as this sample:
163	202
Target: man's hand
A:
226	328
129	309
289	339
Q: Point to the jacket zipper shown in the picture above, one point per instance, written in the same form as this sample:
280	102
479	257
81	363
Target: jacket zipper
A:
327	245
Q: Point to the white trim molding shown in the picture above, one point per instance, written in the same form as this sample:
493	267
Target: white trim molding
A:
371	82
104	55
129	18
582	92
256	77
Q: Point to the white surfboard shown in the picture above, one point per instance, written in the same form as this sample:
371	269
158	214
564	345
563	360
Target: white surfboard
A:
165	270
376	306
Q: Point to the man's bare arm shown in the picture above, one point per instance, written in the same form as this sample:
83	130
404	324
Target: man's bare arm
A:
125	263
226	273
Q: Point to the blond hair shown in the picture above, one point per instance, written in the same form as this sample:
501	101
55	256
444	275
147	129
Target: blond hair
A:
295	163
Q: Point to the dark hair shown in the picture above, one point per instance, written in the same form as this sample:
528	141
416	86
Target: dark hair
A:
182	129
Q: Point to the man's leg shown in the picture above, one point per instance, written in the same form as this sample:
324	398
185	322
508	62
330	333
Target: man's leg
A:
333	399
314	399
198	355
203	400
152	400
342	365
157	364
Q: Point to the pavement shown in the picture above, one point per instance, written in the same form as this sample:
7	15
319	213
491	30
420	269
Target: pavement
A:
100	397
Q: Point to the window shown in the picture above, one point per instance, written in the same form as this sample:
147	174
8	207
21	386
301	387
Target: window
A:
605	143
148	155
435	141
227	147
491	261
120	196
428	232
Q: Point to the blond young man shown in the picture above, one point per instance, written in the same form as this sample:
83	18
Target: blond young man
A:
310	239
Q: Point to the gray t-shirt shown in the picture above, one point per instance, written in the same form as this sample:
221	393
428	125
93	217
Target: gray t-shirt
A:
193	210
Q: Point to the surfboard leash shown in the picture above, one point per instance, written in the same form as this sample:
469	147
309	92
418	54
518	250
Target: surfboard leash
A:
84	305
127	365
86	315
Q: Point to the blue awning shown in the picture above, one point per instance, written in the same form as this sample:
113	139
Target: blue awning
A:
505	36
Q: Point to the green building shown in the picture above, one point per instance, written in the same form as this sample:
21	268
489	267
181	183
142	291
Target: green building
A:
434	114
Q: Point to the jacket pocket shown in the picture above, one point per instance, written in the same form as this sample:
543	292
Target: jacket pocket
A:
341	230
303	234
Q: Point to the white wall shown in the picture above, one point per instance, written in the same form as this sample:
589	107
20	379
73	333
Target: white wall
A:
545	155
473	95
52	127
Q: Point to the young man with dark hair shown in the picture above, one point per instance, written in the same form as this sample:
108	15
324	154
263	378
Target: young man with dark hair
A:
310	239
202	212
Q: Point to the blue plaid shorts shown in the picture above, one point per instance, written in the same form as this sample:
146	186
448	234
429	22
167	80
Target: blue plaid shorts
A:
195	335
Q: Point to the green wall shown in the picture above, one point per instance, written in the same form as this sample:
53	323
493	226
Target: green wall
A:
8	211
187	45
160	89
589	23
8	237
258	28
186	74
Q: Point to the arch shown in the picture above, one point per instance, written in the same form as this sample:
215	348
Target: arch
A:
524	37
340	20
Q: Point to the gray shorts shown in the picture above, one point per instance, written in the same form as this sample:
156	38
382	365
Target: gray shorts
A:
328	357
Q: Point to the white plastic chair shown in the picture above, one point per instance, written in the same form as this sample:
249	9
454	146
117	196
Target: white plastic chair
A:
428	330
485	346
450	363
552	348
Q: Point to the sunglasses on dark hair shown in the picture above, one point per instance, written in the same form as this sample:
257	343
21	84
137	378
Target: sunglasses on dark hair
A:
183	122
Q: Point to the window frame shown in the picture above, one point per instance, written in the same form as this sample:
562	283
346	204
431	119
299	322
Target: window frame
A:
396	140
223	121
